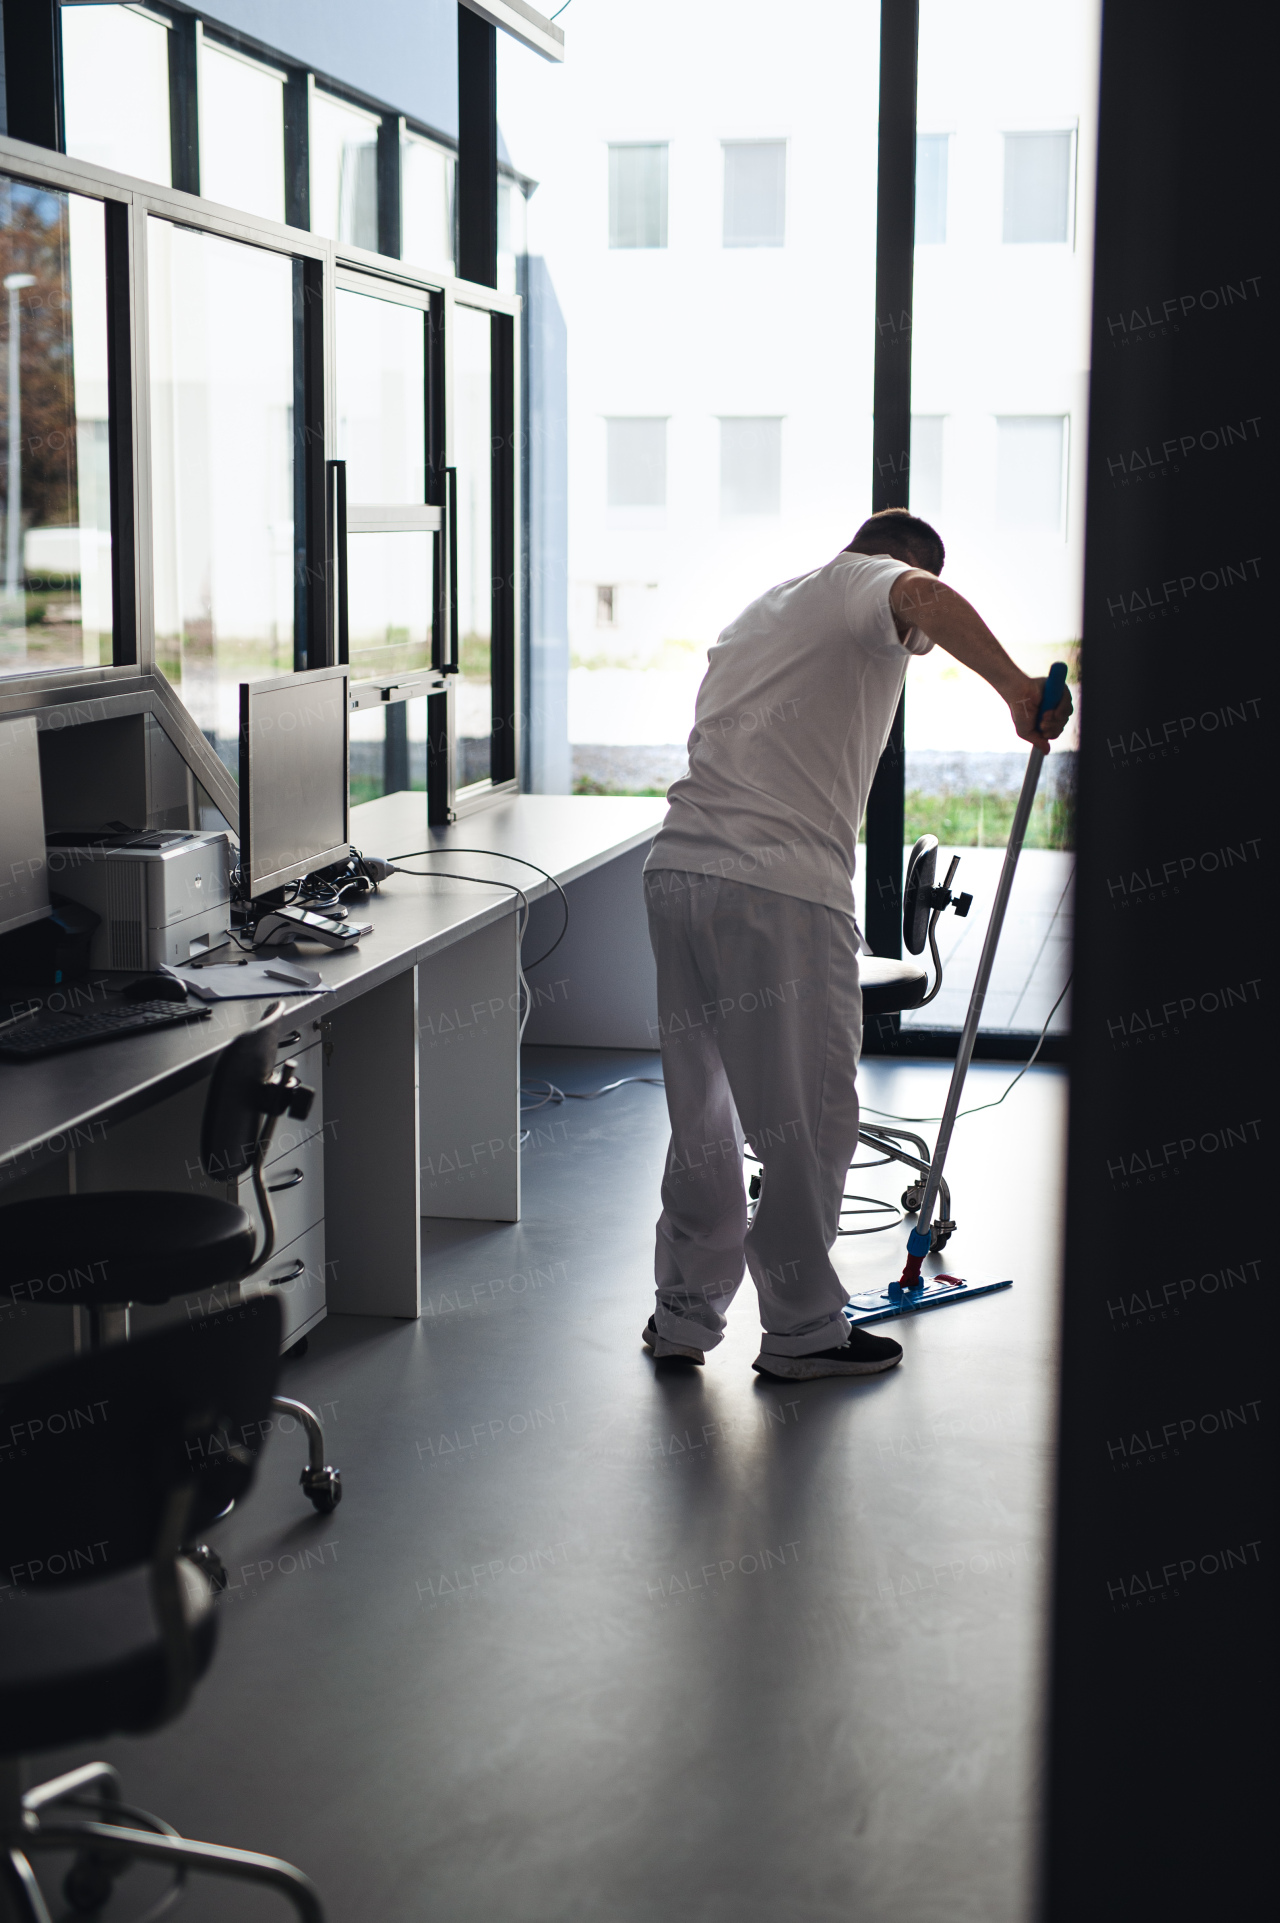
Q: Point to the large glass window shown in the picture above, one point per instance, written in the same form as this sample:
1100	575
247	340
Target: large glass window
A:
473	456
426	204
55	592
241	132
997	433
344	172
115	90
512	225
222	344
638	196
755	193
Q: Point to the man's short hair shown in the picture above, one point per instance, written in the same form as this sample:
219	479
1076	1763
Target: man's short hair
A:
904	535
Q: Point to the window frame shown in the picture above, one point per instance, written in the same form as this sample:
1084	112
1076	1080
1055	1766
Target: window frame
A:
133	683
1072	136
747	140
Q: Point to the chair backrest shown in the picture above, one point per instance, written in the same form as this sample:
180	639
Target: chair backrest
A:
94	1451
922	869
234	1114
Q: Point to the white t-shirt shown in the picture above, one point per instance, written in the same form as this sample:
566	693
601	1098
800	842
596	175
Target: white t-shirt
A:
795	708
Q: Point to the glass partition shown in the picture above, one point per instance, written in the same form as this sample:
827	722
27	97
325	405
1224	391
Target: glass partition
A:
388	750
473	457
1000	356
55	588
115	90
241	132
222	335
382	437
382	398
344	171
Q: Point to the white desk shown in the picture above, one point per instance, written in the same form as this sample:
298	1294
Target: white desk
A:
417	1048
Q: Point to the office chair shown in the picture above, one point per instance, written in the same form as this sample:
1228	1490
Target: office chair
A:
890	988
117	1458
149	1246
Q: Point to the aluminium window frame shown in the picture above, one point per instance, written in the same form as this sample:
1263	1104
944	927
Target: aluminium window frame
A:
132	682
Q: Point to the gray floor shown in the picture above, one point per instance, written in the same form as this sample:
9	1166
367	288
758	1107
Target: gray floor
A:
589	1640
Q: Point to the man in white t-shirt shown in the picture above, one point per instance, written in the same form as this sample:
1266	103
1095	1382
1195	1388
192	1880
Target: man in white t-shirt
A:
751	915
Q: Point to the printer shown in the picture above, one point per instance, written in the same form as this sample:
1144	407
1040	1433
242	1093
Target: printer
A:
163	895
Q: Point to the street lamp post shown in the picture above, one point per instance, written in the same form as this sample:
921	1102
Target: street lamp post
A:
14	284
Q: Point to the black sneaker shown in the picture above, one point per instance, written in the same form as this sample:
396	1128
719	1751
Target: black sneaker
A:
664	1351
862	1354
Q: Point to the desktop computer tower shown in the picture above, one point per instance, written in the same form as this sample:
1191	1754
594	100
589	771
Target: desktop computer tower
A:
161	896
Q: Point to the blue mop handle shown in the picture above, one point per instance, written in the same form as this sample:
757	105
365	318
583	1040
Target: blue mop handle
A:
919	1239
1055	682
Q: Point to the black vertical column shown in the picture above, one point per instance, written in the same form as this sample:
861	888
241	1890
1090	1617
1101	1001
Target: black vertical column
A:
297	149
891	444
390	134
1162	1682
506	585
33	71
184	102
477	149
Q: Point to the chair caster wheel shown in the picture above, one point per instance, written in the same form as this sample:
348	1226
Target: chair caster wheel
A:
911	1198
323	1489
88	1884
939	1235
210	1565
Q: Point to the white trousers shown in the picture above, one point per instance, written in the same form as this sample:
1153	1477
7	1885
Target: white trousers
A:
760	1019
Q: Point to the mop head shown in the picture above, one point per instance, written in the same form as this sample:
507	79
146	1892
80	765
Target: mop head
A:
912	1298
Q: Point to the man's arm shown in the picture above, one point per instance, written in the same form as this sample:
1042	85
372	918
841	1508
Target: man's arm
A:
920	600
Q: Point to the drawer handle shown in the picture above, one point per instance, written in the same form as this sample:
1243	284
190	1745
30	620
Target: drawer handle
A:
290	1181
299	1268
291	1039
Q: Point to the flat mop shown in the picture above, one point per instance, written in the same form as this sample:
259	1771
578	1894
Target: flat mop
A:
913	1292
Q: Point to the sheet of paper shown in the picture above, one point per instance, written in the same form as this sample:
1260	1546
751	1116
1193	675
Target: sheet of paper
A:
250	980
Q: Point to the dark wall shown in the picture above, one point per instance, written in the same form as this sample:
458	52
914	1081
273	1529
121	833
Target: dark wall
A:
1160	1653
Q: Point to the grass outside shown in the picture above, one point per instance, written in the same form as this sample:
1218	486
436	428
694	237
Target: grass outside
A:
972	820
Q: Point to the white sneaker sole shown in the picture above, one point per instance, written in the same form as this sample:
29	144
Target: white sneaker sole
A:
669	1351
808	1368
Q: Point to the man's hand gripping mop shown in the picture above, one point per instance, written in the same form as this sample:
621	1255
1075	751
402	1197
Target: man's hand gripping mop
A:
914	1291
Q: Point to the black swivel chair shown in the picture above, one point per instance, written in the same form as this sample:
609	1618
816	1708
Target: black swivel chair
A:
113	1461
890	988
149	1246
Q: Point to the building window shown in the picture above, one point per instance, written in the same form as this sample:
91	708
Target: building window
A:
512	243
344	172
241	132
115	89
636	463
925	472
606	607
638	196
931	189
750	465
1030	471
1037	187
755	193
426	203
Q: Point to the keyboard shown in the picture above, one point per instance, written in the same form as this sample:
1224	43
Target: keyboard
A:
28	1042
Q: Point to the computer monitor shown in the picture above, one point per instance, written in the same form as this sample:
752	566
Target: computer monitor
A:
294	800
24	874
